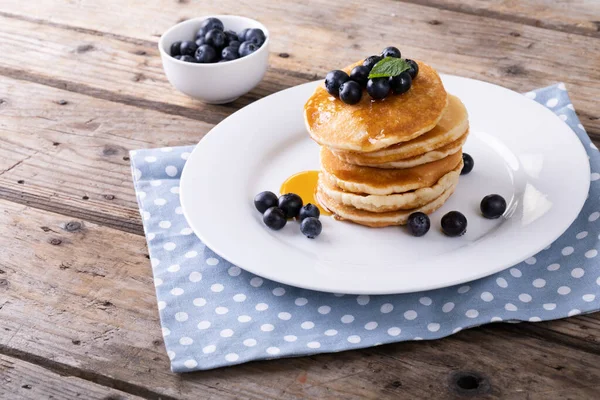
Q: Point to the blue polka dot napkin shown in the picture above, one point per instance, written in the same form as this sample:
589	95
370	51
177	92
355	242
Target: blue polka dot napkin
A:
214	314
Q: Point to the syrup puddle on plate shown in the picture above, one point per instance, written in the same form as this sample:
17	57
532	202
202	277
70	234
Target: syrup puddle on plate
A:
304	184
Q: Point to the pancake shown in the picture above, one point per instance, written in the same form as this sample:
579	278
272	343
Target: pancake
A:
453	125
371	124
369	180
377	220
392	202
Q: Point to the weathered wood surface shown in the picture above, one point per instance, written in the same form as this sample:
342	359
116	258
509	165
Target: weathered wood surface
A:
21	380
72	306
110	65
73	313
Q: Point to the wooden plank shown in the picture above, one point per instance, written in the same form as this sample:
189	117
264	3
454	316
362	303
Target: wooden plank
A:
22	380
573	16
86	141
112	65
76	309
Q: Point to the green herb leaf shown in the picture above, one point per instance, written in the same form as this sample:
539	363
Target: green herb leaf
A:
389	66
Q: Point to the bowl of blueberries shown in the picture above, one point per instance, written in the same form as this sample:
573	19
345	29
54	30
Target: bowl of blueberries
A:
215	59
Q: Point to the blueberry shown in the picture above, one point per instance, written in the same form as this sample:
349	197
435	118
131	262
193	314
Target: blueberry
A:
333	81
247	48
418	224
360	74
378	88
187	58
391	52
311	227
468	164
265	200
493	206
235	44
274	218
187	48
231	36
201	33
454	224
255	35
309	210
242	35
291	204
212	23
215	38
414	68
350	92
371	61
401	83
230	53
175	49
206	54
200	41
177	57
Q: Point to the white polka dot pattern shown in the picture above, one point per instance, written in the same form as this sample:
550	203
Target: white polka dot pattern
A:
215	314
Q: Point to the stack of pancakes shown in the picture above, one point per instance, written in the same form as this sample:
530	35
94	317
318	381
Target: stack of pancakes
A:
384	160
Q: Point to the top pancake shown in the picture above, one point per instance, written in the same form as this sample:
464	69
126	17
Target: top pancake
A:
451	127
371	124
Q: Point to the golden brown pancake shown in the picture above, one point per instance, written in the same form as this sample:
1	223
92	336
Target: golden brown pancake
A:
371	124
444	136
390	202
379	219
369	180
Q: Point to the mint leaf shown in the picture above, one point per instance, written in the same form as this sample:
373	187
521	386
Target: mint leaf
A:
389	66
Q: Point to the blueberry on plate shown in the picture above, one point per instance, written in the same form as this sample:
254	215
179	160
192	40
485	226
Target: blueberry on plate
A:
391	52
231	36
255	35
418	224
414	68
401	83
333	81
371	61
247	48
200	41
215	38
229	53
378	88
291	204
350	92
309	210
175	49
206	54
234	43
177	57
468	164
187	48
274	218
187	58
360	74
493	206
265	200
454	224
212	23
311	227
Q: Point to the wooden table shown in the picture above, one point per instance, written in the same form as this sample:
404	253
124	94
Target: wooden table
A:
81	83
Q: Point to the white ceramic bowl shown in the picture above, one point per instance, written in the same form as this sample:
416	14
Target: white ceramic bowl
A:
216	83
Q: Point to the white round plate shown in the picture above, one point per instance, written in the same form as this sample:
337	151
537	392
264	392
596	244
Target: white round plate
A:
521	150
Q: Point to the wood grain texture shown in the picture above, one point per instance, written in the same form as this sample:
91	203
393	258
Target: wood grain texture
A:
77	309
112	66
23	380
574	16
